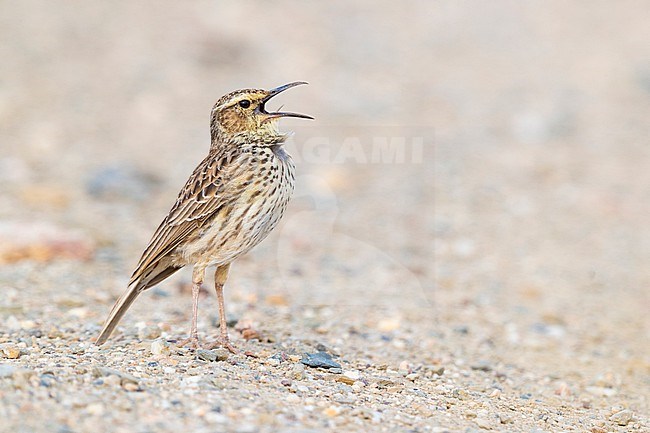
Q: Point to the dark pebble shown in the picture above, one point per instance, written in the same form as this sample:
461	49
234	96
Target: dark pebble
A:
482	366
322	348
464	330
319	360
47	380
206	355
212	355
280	356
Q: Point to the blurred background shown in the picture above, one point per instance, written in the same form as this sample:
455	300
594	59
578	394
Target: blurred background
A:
513	196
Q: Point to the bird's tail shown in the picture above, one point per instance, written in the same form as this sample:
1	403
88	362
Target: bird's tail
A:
139	282
118	310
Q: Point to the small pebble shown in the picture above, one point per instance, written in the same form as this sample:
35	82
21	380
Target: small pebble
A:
149	333
10	352
439	371
47	380
344	399
111	381
160	347
483	423
298	371
344	379
206	355
388	325
332	411
222	354
109	373
482	366
354	375
622	418
460	394
78	349
505	418
130	386
404	368
563	390
320	359
250	334
384	382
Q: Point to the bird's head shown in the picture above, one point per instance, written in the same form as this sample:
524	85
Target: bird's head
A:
241	117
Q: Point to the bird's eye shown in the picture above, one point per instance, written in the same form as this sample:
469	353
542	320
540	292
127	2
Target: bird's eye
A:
245	103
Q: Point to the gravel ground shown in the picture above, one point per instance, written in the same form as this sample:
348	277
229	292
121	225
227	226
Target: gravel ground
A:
487	269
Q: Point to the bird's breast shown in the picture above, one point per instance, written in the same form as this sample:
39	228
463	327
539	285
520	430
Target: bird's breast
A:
267	179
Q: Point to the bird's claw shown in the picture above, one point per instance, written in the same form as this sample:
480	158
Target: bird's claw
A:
225	343
192	342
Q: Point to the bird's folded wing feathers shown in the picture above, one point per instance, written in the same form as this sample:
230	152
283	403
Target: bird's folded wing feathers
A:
208	188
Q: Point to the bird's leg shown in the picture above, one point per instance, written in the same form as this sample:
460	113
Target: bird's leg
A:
197	279
220	277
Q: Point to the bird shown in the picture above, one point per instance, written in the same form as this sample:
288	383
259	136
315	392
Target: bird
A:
232	200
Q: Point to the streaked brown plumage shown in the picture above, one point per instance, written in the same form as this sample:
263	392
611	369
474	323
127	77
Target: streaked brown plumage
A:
230	203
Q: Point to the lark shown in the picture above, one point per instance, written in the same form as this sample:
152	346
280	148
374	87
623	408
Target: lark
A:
234	198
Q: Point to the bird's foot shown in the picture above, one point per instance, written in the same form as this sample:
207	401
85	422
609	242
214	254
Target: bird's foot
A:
192	342
225	343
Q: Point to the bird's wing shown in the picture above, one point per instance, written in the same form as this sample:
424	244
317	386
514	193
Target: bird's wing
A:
212	185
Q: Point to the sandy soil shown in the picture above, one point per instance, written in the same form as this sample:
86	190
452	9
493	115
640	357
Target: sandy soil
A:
469	240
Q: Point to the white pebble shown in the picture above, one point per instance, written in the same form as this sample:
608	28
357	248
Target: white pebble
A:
160	347
351	374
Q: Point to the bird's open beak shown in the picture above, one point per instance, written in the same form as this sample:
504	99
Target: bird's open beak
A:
277	114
